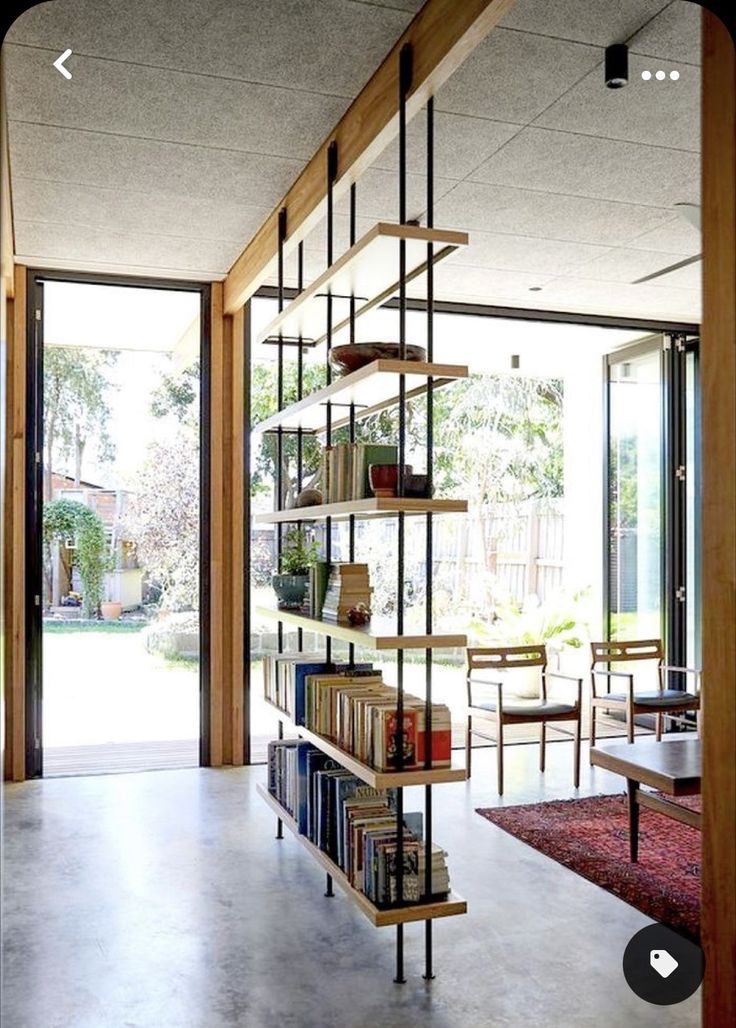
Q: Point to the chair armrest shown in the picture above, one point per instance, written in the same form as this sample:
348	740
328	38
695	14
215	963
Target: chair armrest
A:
685	670
568	678
483	681
612	674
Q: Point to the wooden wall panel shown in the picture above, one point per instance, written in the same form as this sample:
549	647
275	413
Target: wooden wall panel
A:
14	533
718	363
227	713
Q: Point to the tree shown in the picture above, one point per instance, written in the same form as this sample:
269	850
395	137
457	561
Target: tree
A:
75	408
178	394
67	519
263	404
163	519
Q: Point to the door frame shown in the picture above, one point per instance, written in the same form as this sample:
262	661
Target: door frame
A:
673	348
35	277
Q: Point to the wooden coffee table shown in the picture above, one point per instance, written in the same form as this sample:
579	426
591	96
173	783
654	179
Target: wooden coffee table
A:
671	766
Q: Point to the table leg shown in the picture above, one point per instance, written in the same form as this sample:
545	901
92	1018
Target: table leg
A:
632	789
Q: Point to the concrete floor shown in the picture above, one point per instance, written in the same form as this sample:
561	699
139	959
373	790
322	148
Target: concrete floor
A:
162	900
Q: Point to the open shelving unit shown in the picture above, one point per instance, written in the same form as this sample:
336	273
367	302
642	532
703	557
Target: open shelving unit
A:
374	506
366	272
373	269
378	916
369	775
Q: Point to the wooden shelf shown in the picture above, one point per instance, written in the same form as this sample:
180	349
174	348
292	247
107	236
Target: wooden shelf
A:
368	774
374	506
377	634
370	386
369	271
449	907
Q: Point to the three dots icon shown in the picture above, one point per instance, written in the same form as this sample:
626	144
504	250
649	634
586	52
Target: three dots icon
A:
660	75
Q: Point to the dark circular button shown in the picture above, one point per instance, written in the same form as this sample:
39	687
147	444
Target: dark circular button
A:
661	966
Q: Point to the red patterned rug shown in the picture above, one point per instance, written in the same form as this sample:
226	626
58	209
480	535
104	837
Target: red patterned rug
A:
591	837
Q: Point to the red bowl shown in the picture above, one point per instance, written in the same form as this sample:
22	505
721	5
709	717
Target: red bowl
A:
351	356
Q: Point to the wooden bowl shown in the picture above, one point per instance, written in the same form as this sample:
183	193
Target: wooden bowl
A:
351	356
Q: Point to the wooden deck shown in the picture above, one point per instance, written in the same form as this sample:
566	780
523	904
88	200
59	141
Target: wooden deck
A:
118	758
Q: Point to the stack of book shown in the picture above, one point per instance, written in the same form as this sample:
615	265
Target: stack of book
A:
354	824
344	469
359	713
348	586
285	674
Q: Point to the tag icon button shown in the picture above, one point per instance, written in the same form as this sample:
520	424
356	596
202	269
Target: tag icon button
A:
663	962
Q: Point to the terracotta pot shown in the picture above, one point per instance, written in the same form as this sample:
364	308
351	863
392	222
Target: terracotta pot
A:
384	478
111	611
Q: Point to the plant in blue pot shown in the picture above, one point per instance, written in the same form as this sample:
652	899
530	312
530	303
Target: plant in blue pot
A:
297	557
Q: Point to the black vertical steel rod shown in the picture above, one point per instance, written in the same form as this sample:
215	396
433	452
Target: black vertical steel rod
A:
299	395
405	72
429	557
331	176
280	406
351	519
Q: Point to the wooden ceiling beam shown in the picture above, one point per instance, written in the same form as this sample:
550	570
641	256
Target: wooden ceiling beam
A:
442	35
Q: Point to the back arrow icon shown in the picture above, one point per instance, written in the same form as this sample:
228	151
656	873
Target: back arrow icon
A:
59	64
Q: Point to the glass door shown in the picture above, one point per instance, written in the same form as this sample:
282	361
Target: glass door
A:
635	494
654	495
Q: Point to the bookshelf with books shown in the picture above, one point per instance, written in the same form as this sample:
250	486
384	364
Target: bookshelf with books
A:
377	737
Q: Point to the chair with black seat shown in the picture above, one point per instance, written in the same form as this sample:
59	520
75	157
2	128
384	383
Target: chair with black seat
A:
662	701
504	711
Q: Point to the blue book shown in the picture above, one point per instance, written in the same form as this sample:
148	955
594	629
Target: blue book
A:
316	762
302	786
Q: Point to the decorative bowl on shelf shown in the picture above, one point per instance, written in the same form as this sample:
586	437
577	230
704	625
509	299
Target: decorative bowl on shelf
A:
351	356
384	478
416	486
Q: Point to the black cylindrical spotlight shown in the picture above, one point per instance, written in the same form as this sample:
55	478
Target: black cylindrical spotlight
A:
617	65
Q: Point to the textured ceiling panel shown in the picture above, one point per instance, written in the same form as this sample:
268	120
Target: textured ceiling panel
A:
132	212
151	103
624	264
522	212
563	162
675	236
513	76
523	253
36	242
674	34
586	21
331	46
659	113
646	300
91	158
461	144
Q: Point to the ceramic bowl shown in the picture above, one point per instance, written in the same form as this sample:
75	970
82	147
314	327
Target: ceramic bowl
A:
384	478
351	356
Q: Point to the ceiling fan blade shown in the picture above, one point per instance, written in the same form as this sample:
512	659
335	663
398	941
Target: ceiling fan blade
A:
666	271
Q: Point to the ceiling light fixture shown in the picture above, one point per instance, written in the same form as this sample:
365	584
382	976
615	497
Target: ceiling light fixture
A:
617	65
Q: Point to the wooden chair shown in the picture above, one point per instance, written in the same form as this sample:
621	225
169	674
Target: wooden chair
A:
661	702
503	712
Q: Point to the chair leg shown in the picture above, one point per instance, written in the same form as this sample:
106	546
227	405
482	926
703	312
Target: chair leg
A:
469	743
630	722
576	753
499	754
658	727
542	741
592	726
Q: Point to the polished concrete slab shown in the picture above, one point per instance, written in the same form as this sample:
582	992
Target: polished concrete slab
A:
162	900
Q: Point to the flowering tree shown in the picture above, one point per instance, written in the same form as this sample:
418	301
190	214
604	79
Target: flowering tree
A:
163	519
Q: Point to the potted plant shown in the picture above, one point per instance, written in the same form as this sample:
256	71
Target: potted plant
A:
298	555
557	624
